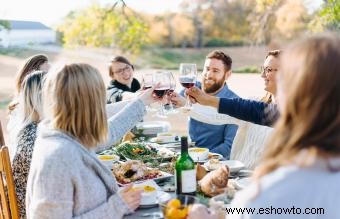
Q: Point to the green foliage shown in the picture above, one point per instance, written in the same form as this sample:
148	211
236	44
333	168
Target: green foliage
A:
217	42
104	27
4	25
327	18
247	69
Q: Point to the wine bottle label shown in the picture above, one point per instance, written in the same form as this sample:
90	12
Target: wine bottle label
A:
188	181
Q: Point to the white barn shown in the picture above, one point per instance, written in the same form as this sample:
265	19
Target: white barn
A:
23	33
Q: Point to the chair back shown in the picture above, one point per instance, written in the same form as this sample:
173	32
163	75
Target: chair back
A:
2	138
8	199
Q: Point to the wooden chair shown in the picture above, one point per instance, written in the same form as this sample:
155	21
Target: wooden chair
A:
2	138
8	205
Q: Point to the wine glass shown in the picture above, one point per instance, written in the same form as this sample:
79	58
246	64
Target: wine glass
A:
187	78
170	107
161	81
147	82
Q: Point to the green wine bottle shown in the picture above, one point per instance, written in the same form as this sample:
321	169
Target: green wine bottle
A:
185	171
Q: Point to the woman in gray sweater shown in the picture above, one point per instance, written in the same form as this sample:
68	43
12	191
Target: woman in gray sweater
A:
66	180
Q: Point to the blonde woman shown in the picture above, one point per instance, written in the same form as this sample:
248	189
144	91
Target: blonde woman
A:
31	108
300	169
66	179
33	63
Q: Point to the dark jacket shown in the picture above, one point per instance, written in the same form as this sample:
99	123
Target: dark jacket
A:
249	110
115	90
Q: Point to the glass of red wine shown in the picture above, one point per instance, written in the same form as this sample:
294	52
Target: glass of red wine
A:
187	78
161	81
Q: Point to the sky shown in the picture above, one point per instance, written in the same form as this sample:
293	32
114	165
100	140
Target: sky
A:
50	12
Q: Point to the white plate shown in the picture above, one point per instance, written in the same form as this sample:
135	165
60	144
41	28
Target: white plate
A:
162	194
220	157
162	141
234	165
242	183
153	127
163	176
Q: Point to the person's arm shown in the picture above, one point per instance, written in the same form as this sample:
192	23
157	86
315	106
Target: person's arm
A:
249	110
225	147
123	121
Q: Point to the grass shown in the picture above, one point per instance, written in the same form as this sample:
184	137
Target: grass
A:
165	58
153	57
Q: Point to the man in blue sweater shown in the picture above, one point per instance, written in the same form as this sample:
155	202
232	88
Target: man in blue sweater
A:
218	138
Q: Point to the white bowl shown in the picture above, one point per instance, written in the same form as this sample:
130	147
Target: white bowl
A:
234	165
108	160
198	154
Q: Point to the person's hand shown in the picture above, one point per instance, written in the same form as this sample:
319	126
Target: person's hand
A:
177	99
147	96
197	95
131	196
215	182
198	211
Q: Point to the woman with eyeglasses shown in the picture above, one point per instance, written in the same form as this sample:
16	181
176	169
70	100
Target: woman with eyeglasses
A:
123	83
262	112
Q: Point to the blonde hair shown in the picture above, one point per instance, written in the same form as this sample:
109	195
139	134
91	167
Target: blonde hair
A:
310	115
74	102
31	96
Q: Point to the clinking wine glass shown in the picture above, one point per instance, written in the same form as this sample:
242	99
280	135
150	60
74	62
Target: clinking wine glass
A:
161	81
147	82
170	107
187	78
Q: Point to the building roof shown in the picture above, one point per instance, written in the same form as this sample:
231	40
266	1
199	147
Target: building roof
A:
27	25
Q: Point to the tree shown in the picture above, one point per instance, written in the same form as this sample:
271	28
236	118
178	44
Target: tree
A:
327	18
98	26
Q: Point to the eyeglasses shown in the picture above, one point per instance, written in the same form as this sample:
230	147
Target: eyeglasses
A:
267	69
122	70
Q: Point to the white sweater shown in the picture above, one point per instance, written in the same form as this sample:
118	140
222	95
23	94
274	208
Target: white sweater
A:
291	186
66	180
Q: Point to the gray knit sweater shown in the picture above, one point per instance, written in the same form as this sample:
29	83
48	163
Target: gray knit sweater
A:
66	180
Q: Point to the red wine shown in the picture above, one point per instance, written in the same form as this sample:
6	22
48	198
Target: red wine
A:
187	85
160	92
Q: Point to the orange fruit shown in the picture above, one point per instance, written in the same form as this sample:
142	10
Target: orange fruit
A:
174	213
174	203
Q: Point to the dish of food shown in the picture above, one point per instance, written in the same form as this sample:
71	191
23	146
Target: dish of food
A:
198	154
143	151
165	137
150	193
135	171
233	165
108	160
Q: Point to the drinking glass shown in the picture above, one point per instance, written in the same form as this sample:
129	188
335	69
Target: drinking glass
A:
187	78
170	107
147	82
161	81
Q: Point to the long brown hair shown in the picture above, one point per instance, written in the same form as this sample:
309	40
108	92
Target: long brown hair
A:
310	111
74	102
33	63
